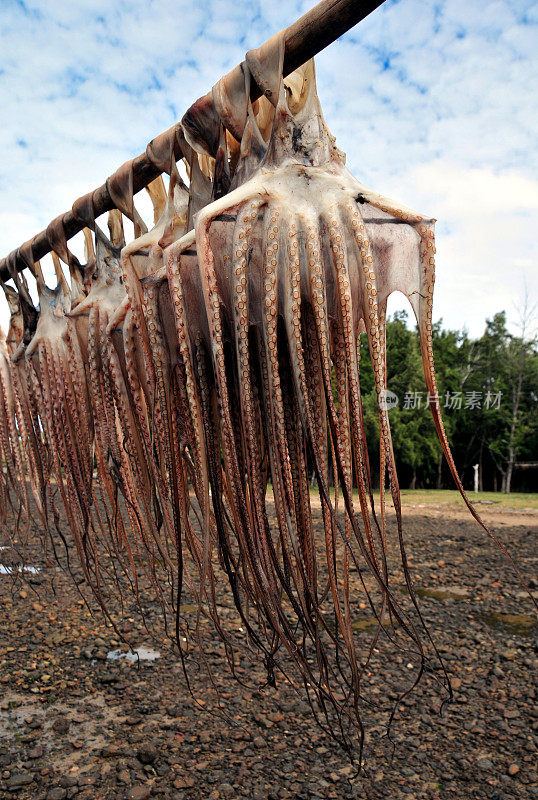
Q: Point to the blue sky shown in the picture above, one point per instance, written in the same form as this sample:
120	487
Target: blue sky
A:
435	104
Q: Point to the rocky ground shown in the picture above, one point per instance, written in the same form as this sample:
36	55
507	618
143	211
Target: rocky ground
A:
76	724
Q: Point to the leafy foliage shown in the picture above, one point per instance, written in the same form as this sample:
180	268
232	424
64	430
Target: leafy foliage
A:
488	421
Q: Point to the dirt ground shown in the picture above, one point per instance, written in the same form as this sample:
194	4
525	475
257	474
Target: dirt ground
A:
74	723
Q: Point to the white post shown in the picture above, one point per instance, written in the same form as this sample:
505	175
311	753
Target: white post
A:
476	477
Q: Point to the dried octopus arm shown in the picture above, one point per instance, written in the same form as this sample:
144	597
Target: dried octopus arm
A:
173	369
30	436
116	427
187	297
4	488
153	320
185	292
9	435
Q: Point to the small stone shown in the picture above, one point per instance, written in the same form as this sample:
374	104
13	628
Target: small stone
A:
101	655
513	769
68	781
19	780
183	782
36	752
61	725
139	792
111	751
226	790
147	753
509	655
484	763
86	780
56	794
258	742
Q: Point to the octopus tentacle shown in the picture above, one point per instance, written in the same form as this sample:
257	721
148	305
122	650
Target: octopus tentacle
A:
293	323
262	585
241	243
177	296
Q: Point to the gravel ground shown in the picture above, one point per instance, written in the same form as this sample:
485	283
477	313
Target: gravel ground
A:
74	723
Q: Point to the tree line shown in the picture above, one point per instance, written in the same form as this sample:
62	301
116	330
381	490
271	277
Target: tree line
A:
488	390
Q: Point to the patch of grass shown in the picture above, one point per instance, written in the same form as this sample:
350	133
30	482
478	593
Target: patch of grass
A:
451	497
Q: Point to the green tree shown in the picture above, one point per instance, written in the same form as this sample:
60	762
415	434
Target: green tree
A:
488	389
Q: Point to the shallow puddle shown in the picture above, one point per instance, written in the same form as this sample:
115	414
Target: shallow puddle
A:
5	570
519	624
452	593
367	624
139	653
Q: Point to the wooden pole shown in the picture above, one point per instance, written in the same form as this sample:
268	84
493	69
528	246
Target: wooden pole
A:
306	37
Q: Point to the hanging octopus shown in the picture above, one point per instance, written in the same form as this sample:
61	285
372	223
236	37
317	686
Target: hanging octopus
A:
292	264
58	404
17	439
8	472
216	357
156	374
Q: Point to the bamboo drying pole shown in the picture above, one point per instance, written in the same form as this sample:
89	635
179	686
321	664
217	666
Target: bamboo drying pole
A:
306	37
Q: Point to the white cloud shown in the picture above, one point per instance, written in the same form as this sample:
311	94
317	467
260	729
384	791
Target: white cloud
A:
486	253
433	103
